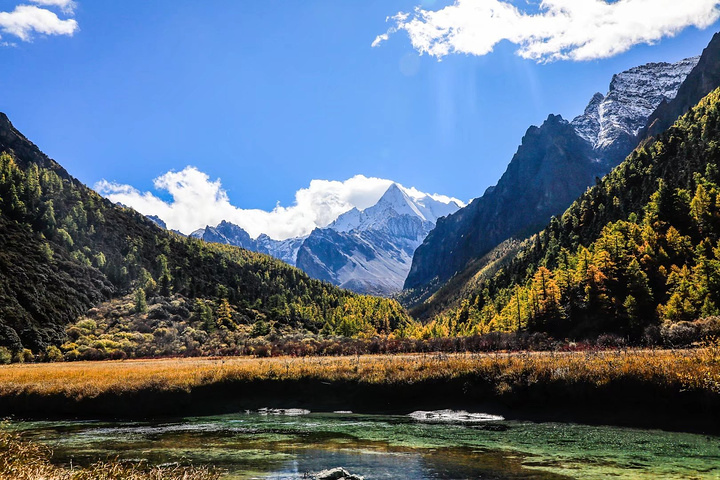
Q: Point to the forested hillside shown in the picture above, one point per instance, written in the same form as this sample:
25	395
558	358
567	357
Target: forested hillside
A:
427	302
639	250
65	249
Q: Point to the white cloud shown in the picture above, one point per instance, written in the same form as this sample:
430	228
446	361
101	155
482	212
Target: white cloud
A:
550	29
28	19
379	39
198	201
67	6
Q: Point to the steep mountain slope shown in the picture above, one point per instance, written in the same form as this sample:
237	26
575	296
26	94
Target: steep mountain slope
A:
367	251
640	248
286	250
552	167
65	249
554	164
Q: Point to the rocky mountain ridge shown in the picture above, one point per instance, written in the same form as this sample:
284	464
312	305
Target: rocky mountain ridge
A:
612	122
230	234
551	168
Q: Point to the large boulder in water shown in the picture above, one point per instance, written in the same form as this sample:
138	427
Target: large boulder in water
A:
338	473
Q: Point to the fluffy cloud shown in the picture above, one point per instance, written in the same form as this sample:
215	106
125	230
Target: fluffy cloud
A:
67	6
198	201
550	29
28	19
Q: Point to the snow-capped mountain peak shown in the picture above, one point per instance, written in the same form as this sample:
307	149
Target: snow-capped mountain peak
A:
633	95
395	202
399	201
369	251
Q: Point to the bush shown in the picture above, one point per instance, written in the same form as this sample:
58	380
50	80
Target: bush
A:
24	356
5	356
652	336
260	329
53	354
158	312
709	327
679	334
87	324
611	341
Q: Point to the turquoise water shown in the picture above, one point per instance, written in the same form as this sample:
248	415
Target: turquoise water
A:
288	446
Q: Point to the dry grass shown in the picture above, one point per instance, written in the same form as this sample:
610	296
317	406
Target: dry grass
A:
697	369
21	460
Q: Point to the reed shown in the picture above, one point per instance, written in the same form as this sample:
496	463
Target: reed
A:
23	460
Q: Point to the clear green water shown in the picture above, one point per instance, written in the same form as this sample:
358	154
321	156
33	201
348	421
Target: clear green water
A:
277	447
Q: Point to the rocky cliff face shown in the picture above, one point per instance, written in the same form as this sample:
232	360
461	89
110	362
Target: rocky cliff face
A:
362	261
703	79
157	221
554	164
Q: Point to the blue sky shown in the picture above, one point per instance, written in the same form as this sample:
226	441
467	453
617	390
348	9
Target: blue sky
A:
269	95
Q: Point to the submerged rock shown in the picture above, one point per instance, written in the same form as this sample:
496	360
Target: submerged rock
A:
338	473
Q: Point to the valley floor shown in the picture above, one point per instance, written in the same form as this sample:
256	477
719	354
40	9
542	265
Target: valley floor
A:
651	388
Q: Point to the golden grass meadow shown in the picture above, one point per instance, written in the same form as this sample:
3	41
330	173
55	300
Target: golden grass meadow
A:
693	369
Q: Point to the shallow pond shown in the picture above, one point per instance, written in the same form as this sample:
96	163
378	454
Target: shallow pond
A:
289	444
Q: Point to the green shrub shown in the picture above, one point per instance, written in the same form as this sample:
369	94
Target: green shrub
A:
24	356
5	356
53	354
89	325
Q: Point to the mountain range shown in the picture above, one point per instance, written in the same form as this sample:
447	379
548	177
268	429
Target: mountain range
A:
466	248
403	243
637	256
366	251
